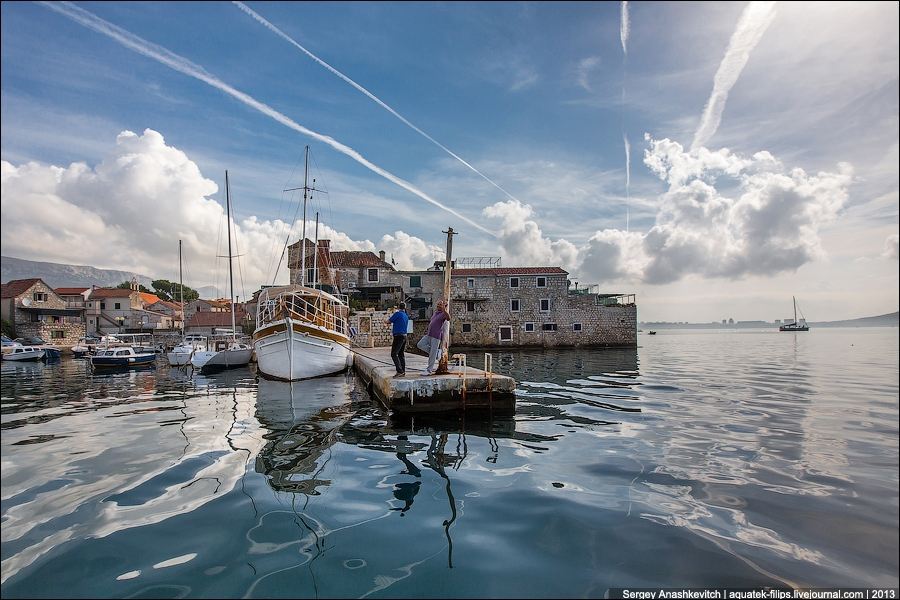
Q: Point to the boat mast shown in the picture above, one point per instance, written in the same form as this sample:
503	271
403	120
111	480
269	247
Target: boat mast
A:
230	273
181	287
303	236
316	254
795	309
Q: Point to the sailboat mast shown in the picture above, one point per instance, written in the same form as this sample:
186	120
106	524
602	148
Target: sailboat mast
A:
230	270
316	254
795	308
303	236
181	287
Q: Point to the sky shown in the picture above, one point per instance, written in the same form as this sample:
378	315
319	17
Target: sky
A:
715	159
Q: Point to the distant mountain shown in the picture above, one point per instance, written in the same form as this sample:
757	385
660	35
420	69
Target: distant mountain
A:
888	320
59	275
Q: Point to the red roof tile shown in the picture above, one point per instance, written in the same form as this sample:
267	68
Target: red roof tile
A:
70	291
502	271
100	293
354	258
17	287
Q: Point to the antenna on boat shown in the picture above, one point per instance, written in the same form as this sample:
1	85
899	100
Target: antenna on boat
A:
181	287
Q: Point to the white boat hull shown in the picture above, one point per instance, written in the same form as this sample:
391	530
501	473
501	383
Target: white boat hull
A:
289	354
179	358
224	359
36	354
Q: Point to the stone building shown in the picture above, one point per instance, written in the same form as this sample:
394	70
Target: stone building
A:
123	310
524	306
208	322
368	279
34	309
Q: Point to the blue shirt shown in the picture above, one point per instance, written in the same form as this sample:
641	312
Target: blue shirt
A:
400	320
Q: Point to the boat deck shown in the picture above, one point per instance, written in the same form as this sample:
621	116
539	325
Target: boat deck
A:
464	388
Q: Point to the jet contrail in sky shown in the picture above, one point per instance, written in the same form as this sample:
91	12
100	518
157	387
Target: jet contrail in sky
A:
624	27
268	25
183	65
754	21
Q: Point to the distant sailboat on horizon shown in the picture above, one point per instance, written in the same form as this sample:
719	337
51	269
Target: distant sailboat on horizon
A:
796	325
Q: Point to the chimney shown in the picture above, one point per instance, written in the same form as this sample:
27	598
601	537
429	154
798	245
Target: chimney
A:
381	255
325	245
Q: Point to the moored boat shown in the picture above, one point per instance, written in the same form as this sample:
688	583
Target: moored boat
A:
181	354
796	324
302	332
121	356
24	353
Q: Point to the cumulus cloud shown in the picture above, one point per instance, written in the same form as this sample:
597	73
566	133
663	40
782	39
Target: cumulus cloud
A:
522	239
409	252
723	216
129	211
891	244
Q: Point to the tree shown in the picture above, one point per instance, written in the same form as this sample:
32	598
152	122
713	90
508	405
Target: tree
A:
126	285
170	291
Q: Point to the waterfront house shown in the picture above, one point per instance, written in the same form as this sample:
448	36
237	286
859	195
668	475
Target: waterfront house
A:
367	278
34	309
207	322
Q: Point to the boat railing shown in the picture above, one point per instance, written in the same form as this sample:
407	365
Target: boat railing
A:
317	310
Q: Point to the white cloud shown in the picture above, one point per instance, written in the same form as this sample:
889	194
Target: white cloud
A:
583	71
723	216
523	241
130	210
754	21
891	249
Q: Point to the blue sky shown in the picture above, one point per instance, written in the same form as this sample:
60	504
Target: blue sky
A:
536	96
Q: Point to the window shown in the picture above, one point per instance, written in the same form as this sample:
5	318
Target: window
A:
415	281
311	276
576	327
92	321
545	304
467	328
118	305
529	327
549	326
57	334
505	333
470	282
470	306
513	282
56	319
514	305
542	282
372	275
39	297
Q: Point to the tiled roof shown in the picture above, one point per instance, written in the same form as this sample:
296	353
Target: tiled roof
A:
215	319
100	293
502	271
170	305
71	291
17	287
148	298
354	258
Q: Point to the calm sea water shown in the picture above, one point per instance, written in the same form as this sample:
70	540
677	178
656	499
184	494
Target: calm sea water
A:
702	458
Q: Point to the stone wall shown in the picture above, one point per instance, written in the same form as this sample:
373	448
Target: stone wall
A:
376	333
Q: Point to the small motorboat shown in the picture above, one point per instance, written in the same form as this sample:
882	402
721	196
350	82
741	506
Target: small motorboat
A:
121	356
24	353
651	332
182	353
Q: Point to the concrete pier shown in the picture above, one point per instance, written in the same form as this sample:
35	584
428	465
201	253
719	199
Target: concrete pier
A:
462	389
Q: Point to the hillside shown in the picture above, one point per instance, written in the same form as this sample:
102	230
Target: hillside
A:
887	320
60	275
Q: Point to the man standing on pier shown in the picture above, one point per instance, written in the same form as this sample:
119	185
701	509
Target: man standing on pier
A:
400	322
431	341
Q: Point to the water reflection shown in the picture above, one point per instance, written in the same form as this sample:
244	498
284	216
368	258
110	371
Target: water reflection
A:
302	419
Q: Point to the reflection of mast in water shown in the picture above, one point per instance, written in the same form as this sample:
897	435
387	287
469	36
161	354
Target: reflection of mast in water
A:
436	462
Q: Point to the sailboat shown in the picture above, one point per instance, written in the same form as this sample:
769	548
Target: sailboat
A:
302	331
233	354
795	325
182	353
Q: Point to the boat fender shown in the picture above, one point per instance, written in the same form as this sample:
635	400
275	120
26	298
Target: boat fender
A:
131	360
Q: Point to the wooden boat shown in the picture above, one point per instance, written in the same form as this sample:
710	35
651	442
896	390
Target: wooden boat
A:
302	332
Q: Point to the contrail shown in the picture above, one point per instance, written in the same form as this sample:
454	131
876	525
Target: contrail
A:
624	27
627	179
268	25
753	23
183	65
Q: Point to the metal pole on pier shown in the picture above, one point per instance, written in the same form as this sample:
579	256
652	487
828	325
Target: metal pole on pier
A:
448	268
